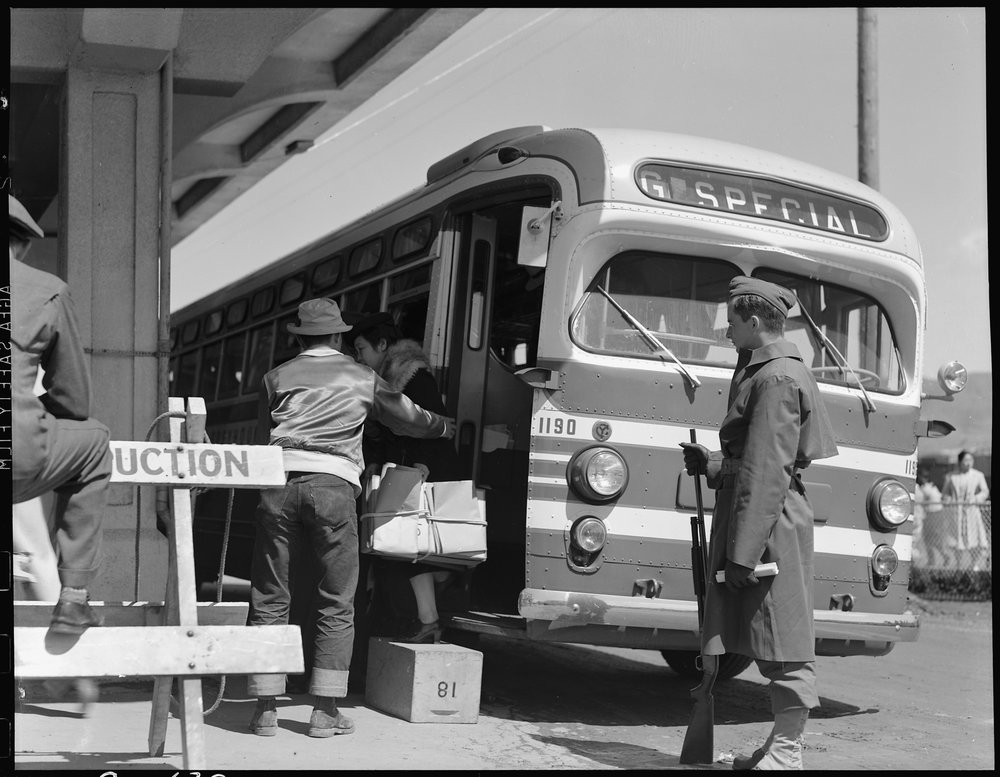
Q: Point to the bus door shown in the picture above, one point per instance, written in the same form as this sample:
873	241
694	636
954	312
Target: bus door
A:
499	305
478	251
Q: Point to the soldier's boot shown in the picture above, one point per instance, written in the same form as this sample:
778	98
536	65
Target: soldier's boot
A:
785	751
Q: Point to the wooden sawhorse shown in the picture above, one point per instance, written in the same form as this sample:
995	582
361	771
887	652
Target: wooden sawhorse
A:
179	637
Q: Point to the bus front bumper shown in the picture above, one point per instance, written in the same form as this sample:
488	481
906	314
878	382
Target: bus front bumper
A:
835	630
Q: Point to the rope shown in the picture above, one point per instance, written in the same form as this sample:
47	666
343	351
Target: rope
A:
138	502
218	585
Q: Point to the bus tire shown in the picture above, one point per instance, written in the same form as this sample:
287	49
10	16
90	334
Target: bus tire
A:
683	662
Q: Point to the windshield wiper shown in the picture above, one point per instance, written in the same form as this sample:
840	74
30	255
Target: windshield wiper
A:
842	363
649	337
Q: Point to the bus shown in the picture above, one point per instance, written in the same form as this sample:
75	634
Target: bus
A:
511	265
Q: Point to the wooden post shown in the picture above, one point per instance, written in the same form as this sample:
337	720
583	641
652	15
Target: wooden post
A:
868	97
189	640
163	685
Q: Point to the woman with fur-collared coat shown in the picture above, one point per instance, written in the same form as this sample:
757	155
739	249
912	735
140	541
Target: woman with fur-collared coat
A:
775	427
403	365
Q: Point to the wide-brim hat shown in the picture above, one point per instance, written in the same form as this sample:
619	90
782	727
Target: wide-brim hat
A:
319	317
20	220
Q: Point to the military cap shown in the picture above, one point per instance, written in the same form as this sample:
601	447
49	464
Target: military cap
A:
778	296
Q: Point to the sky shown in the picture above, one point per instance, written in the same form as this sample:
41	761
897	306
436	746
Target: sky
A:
780	79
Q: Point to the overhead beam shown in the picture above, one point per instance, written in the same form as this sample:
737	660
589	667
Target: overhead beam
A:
374	43
198	191
274	128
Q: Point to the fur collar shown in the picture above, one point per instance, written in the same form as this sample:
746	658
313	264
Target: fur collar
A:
403	360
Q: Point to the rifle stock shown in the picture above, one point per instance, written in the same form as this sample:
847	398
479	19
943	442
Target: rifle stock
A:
699	739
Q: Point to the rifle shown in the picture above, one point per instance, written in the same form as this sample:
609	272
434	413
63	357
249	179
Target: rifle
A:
699	740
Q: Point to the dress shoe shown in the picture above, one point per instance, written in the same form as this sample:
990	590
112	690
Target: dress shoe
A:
73	617
264	722
423	633
323	724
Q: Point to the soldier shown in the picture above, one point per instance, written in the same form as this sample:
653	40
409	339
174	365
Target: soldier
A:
775	427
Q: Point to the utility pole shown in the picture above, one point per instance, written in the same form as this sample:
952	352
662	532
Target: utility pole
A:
868	97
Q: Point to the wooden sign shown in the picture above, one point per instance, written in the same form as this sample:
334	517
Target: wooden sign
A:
189	465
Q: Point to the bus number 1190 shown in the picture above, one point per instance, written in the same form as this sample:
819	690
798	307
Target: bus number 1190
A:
549	425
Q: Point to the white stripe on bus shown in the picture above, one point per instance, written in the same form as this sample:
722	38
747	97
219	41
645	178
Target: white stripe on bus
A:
649	523
661	435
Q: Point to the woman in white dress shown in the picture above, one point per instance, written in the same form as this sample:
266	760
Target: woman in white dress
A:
967	488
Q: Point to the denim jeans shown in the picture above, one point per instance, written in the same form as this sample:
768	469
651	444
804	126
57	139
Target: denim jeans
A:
314	513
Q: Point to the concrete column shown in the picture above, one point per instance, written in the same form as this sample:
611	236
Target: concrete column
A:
108	253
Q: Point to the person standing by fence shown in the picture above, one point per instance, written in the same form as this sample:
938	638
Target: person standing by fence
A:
932	539
967	489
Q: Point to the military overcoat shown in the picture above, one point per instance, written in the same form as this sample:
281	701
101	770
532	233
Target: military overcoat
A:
776	425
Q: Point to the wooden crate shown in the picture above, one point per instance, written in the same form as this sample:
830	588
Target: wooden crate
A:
424	683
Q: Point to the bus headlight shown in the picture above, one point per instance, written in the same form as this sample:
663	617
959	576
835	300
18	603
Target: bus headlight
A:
589	534
889	504
597	474
884	563
952	377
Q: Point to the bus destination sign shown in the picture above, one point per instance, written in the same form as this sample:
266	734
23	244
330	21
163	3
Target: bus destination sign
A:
761	198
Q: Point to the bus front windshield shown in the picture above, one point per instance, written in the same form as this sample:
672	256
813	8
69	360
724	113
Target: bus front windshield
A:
682	300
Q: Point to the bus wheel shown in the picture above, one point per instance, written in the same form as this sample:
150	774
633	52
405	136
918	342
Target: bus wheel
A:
683	662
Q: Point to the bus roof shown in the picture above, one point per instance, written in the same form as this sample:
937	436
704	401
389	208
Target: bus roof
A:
604	162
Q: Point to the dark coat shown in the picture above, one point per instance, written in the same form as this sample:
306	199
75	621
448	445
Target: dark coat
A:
407	369
776	425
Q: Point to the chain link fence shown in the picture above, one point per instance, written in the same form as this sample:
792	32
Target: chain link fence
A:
953	551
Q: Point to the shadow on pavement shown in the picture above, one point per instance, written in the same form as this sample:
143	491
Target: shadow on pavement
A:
622	755
99	762
561	683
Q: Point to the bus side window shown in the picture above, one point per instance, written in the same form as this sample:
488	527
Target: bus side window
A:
367	299
184	375
258	357
231	371
409	294
285	344
517	312
209	371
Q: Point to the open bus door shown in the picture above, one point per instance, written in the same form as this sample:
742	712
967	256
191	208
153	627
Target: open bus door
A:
498	304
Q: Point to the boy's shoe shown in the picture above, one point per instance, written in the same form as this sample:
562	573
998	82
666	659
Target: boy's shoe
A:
322	724
264	722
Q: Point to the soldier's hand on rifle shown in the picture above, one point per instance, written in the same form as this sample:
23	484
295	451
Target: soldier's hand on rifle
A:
695	458
738	576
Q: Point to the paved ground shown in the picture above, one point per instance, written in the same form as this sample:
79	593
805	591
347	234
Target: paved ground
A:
927	705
